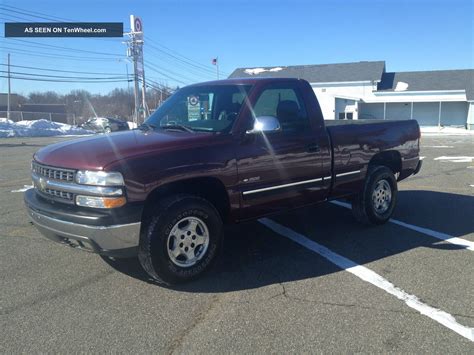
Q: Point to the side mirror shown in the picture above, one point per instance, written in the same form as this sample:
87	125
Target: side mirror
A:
264	124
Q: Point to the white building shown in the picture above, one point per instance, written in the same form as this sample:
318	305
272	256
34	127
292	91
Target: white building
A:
366	90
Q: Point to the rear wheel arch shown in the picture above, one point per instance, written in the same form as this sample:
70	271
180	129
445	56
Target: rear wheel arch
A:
392	159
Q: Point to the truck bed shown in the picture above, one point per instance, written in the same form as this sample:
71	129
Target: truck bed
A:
357	142
356	122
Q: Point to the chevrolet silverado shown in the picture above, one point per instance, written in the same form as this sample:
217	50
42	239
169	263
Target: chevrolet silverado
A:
214	153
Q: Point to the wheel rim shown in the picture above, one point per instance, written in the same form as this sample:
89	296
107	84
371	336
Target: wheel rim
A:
188	241
382	196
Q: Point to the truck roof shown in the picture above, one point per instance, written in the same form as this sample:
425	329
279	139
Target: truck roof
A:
244	81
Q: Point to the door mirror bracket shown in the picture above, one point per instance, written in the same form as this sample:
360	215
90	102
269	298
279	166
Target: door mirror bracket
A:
265	124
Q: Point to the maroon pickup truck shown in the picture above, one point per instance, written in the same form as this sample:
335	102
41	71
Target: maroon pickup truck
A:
218	152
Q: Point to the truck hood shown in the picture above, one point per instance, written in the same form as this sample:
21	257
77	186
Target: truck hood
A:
96	152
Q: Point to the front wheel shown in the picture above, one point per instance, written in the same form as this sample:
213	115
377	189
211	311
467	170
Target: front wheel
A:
375	203
181	239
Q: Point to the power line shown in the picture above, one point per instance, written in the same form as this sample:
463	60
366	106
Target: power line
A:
205	70
67	81
164	74
192	62
43	45
51	55
66	77
168	72
28	13
62	71
181	66
16	17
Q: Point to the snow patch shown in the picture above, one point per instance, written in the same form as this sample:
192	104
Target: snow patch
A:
256	71
401	86
38	128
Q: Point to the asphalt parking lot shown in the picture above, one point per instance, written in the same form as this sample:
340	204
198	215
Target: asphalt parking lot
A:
316	281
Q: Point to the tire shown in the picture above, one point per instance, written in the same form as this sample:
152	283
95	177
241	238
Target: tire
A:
180	240
107	130
375	203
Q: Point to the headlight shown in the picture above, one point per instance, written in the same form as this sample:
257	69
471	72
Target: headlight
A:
99	178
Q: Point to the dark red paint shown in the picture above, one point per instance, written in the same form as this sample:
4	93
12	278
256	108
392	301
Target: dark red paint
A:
150	159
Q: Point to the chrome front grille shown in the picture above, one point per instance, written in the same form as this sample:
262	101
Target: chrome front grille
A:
44	175
60	194
53	173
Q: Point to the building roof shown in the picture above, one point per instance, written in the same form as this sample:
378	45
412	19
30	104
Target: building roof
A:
462	79
319	73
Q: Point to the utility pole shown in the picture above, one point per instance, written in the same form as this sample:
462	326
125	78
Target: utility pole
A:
144	105
135	87
135	52
9	89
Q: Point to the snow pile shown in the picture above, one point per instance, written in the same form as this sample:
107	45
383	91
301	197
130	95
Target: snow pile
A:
257	71
38	128
441	131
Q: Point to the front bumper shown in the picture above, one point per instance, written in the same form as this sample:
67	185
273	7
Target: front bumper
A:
97	231
418	167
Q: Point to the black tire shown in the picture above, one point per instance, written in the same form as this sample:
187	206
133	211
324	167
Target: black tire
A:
364	208
107	130
154	239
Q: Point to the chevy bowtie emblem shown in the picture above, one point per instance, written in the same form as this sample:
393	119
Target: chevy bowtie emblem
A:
42	183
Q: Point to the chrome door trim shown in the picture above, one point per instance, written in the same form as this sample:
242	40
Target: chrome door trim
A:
281	186
348	173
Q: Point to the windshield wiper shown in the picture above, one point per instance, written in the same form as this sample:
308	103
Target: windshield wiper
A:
177	126
146	126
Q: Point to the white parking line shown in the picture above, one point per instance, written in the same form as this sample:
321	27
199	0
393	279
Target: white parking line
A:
461	159
438	146
24	188
438	235
372	277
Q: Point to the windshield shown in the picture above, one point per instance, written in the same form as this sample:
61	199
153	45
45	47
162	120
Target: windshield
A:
210	108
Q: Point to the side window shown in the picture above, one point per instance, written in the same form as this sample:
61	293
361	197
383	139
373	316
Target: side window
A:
287	105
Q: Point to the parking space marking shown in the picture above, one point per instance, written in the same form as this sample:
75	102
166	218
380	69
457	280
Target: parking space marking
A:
438	146
438	235
461	159
373	278
24	188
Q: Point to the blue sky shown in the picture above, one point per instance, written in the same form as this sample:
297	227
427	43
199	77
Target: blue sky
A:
408	35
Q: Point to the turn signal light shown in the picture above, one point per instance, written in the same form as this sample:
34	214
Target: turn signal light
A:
100	202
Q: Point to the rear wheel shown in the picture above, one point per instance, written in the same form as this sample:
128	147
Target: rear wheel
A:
375	203
181	239
107	130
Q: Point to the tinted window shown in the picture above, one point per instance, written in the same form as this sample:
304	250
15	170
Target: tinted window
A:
285	104
211	108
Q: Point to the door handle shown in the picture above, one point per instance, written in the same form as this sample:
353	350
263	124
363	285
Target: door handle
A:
313	148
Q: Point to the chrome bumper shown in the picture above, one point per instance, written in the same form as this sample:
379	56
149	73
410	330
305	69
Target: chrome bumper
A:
115	240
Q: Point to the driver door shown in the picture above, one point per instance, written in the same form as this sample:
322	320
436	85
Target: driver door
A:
283	169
